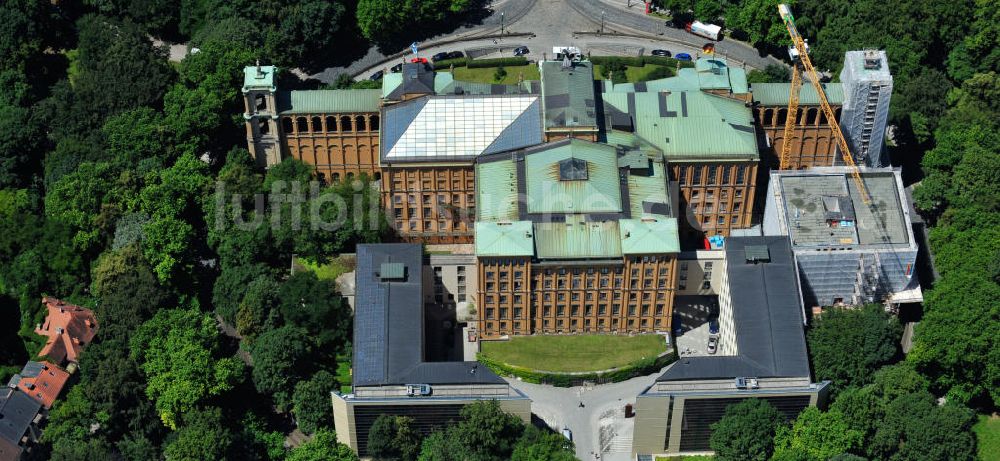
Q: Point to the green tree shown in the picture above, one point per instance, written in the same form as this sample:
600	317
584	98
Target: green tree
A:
280	359
772	73
311	402
179	352
257	311
540	445
846	346
136	135
229	288
129	291
385	20
440	446
759	19
314	305
816	435
393	438
322	447
746	432
204	435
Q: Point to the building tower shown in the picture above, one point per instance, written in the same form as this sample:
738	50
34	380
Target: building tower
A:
261	114
867	87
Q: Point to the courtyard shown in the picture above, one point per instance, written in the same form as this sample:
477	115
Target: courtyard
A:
574	353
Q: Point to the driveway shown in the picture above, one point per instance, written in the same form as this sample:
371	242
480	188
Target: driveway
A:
599	426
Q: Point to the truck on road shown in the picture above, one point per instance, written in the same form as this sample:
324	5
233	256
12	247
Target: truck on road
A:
710	31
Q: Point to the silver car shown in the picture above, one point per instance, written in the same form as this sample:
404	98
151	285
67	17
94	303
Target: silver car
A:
713	344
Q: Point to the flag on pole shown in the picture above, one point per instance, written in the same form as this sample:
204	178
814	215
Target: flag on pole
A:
413	47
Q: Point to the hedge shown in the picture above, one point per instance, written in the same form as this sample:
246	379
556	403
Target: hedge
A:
447	63
637	368
639	61
497	62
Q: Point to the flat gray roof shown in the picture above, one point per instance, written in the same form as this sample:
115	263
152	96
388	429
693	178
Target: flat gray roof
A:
767	314
389	323
827	209
16	412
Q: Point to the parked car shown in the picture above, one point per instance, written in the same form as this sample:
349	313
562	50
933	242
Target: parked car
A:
422	60
521	51
713	327
376	76
414	390
682	57
713	344
455	55
567	433
439	56
396	68
659	52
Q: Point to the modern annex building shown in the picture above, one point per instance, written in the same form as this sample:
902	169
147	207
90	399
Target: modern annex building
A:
574	236
762	354
390	372
847	252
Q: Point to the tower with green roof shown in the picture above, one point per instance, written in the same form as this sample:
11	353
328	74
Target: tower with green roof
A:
260	103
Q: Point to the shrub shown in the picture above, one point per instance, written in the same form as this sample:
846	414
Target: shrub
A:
498	62
447	63
637	368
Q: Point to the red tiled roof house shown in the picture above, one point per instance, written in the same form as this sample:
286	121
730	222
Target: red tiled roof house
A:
69	328
42	381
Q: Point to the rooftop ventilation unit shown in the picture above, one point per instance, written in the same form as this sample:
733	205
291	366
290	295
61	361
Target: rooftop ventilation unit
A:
872	60
757	254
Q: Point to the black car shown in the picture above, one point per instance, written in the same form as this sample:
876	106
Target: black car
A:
440	56
376	76
521	51
455	55
396	68
663	53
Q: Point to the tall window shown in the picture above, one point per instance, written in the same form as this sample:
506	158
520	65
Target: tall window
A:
696	176
712	172
741	174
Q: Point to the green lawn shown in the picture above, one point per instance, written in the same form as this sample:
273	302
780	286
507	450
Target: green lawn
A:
988	436
344	373
485	74
328	271
639	74
574	353
685	458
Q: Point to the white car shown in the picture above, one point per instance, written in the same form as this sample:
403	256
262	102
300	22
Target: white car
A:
713	344
567	433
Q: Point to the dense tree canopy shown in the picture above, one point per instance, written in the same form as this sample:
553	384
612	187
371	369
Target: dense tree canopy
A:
181	359
393	438
873	336
746	432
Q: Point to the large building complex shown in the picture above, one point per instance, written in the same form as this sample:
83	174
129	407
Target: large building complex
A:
574	236
762	354
392	373
702	122
848	252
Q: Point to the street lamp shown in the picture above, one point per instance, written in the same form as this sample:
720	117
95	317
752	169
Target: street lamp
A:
501	22
602	22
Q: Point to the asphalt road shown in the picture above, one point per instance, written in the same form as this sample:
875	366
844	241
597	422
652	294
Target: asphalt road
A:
616	13
549	24
599	426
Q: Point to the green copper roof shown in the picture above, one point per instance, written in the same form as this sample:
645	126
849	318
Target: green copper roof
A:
600	192
258	77
648	192
649	235
690	124
504	239
576	239
390	82
776	94
568	97
328	101
496	188
709	73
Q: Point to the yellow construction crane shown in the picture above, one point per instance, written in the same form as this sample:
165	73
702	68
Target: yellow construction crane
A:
791	118
793	103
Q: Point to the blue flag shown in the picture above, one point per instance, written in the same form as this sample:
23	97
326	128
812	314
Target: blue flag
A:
413	46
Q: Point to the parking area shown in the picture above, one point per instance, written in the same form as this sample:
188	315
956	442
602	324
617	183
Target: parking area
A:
691	317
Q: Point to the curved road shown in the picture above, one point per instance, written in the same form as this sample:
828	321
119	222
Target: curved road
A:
634	20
